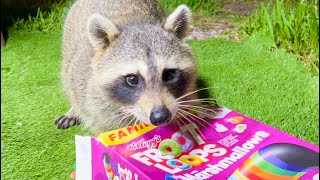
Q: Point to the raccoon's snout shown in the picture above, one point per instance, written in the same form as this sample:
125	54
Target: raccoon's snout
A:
160	115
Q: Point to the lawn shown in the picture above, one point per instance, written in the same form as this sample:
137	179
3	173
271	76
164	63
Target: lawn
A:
269	86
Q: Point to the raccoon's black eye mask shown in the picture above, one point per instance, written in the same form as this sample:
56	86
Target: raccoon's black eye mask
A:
176	80
127	89
169	75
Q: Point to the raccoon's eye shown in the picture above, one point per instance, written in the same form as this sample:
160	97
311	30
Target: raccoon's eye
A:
132	80
169	74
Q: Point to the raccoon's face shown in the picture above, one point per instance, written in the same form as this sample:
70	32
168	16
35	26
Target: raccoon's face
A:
146	69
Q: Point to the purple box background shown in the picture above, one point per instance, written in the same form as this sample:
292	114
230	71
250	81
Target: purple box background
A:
120	155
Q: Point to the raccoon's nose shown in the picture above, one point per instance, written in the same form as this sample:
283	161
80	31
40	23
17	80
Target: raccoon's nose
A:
160	115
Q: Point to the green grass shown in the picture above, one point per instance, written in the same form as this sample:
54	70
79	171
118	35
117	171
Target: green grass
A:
269	86
293	26
51	19
31	96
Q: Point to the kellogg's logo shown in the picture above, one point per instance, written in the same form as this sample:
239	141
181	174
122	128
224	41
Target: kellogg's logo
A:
151	143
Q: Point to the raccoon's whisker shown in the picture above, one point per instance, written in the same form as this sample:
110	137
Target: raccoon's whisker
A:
197	120
187	115
125	115
113	119
200	119
176	123
118	115
191	122
188	94
134	120
192	92
198	100
121	108
120	123
182	120
199	107
199	112
194	108
197	117
125	120
137	121
202	103
182	116
131	121
119	112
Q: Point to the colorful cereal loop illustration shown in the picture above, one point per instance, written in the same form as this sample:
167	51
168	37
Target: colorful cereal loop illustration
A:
279	161
107	166
184	140
169	177
170	147
192	160
178	164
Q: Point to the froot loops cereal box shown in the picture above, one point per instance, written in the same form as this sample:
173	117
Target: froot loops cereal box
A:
230	146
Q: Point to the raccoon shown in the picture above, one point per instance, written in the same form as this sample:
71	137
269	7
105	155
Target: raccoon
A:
125	62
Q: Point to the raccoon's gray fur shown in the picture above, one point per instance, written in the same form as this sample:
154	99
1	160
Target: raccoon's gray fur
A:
124	59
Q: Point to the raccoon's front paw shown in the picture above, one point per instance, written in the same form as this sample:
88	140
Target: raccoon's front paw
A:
64	122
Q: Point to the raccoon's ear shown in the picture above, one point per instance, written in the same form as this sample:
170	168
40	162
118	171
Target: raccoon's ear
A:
178	22
101	31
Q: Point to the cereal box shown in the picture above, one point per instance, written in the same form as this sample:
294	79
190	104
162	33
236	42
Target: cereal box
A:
229	146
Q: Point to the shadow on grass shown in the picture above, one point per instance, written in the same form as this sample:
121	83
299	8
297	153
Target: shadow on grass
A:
205	93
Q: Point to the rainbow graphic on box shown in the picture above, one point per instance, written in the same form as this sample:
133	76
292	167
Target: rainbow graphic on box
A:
229	146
